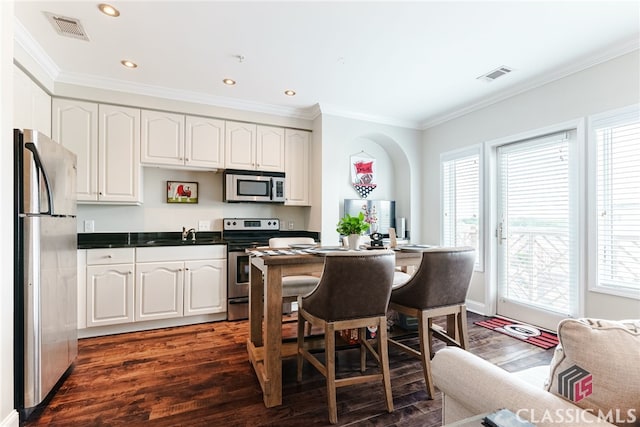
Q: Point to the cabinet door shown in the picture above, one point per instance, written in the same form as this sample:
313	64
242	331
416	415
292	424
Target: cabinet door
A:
240	146
109	294
82	288
270	148
162	138
159	288
31	104
75	125
119	154
205	287
297	149
204	145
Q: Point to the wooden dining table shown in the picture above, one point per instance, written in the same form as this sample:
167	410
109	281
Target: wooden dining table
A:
264	345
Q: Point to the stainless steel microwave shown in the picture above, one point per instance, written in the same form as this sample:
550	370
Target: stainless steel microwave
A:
253	186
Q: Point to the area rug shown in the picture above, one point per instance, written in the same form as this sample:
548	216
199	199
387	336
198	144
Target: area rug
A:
523	332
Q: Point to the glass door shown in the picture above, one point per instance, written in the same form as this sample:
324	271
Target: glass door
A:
537	229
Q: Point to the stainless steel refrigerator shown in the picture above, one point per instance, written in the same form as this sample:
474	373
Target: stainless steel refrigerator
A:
45	266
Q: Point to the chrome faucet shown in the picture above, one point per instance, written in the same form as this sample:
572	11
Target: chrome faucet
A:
185	234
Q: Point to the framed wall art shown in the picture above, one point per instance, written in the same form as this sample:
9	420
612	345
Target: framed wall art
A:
182	192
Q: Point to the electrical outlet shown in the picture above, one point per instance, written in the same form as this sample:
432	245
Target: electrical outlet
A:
204	225
88	226
290	225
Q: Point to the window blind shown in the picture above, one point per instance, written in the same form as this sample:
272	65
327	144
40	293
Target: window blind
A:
461	202
538	226
617	139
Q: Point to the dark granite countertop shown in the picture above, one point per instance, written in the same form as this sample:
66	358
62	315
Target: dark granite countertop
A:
150	239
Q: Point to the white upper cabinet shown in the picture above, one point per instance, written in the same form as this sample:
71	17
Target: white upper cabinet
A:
162	138
240	146
31	104
119	154
297	161
204	143
177	140
270	148
106	139
75	126
254	147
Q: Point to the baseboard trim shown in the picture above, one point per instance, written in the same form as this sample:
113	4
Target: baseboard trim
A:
11	420
478	307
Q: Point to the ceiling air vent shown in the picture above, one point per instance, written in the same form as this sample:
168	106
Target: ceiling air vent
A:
498	72
69	27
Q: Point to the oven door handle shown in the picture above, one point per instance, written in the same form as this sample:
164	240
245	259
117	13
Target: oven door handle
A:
242	300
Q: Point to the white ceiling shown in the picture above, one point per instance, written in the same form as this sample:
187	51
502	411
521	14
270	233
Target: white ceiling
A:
412	64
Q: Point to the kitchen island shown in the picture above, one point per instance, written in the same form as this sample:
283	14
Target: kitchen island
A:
265	346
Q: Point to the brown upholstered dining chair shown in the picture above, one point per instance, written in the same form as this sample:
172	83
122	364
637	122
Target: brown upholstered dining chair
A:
438	288
353	293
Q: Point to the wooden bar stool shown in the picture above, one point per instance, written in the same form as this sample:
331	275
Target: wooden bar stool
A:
353	292
438	288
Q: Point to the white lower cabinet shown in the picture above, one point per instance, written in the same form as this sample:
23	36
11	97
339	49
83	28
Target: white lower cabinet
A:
169	282
159	289
205	289
109	286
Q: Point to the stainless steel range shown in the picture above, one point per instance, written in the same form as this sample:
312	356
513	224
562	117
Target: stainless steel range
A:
241	234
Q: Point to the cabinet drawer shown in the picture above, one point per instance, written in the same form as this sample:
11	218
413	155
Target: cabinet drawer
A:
110	256
180	253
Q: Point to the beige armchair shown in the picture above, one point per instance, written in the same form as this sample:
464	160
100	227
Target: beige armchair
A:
593	379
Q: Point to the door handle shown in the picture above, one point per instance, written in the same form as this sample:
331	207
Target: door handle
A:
40	167
500	233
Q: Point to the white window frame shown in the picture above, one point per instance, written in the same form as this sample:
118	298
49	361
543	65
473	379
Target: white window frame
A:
490	214
475	150
592	233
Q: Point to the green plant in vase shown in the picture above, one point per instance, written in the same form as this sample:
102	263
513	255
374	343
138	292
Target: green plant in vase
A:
353	227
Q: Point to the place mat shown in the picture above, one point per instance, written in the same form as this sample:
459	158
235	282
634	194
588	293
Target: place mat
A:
521	331
275	252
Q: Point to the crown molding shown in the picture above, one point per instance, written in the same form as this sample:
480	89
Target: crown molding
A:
30	46
613	52
334	110
181	95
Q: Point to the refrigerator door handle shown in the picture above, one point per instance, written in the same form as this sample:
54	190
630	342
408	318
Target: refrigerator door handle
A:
36	158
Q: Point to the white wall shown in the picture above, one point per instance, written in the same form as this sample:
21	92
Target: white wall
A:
602	87
8	416
398	151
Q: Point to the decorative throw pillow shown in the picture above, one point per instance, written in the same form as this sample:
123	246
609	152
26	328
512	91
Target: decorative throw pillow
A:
597	368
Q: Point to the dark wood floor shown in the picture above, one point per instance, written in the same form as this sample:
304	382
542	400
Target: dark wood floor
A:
199	376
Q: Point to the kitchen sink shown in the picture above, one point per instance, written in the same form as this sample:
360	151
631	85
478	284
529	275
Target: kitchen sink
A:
167	242
174	242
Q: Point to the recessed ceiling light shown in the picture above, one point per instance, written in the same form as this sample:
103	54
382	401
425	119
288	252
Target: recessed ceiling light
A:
128	63
289	92
107	9
229	82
